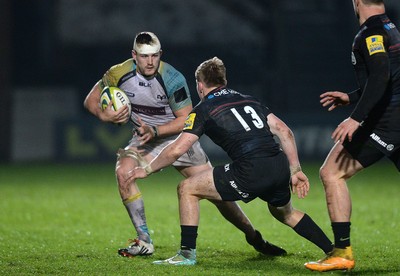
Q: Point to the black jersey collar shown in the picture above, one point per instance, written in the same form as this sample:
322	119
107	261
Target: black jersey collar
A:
374	17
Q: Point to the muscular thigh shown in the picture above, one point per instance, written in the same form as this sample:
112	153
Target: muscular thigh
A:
201	185
193	170
340	163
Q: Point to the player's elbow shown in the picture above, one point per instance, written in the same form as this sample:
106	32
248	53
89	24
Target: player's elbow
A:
290	134
285	133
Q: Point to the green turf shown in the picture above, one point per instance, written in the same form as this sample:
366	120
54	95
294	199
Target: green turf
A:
68	219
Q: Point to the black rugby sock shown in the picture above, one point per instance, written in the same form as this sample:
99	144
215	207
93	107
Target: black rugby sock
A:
188	236
309	230
341	232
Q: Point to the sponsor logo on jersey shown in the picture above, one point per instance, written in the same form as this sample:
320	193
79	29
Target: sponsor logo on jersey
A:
226	167
375	44
242	194
389	26
144	84
148	110
376	138
190	121
161	97
222	92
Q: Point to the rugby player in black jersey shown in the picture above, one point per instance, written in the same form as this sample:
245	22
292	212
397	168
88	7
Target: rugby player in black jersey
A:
245	129
373	129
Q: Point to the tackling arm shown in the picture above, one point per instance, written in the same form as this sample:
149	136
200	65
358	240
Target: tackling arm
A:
168	155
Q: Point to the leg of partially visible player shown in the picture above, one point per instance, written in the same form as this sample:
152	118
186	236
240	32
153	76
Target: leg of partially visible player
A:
337	168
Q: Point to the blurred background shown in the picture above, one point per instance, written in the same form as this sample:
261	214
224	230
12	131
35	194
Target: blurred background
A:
284	52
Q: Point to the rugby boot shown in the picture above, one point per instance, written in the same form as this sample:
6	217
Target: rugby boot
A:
338	259
265	247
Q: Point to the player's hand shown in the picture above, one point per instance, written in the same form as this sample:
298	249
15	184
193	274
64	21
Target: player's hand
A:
136	173
334	99
117	117
345	130
139	172
145	132
300	184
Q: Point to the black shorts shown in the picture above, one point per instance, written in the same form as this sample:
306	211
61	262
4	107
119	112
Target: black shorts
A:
365	151
264	177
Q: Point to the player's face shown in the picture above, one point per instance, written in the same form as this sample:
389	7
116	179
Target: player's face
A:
147	64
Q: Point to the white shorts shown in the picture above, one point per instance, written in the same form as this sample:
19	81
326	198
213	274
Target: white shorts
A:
194	157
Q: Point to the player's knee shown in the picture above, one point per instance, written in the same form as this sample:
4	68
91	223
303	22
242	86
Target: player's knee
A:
123	174
285	214
326	175
183	188
119	174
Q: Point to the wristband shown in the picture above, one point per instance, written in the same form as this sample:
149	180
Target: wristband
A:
294	170
155	131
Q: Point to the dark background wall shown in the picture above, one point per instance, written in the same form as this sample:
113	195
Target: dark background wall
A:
52	52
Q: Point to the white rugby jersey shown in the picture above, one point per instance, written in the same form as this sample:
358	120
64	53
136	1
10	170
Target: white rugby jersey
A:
154	100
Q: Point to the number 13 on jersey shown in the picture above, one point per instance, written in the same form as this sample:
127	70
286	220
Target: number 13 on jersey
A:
258	123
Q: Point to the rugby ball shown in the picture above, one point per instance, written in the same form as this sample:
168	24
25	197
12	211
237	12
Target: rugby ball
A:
116	96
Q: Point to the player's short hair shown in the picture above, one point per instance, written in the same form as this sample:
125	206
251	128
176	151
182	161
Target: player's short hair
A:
211	72
146	43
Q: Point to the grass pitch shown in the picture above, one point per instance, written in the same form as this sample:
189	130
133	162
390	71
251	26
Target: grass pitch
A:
69	219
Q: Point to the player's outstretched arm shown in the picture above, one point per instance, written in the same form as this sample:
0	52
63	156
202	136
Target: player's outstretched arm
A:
172	152
167	156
